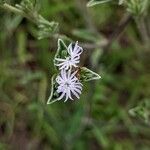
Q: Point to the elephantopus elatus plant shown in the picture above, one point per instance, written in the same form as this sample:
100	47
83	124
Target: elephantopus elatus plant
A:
68	82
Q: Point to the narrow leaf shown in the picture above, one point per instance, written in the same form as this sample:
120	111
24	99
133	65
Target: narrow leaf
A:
96	2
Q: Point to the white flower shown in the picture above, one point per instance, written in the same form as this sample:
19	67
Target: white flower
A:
66	63
68	85
75	50
72	60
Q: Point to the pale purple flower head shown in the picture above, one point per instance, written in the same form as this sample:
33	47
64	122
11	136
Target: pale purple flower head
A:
68	85
75	50
72	60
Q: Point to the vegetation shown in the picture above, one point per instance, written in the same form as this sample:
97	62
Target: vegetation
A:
113	112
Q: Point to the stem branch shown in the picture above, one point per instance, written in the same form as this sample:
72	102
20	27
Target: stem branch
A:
12	9
17	11
122	25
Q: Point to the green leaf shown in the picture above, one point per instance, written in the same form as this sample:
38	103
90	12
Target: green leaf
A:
100	136
95	2
61	51
7	118
2	2
121	2
138	7
85	35
45	28
142	111
54	95
31	11
88	75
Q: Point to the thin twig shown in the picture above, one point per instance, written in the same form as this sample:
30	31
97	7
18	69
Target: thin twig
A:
81	4
142	29
106	44
13	9
121	27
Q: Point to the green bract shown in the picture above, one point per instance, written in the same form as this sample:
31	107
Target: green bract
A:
88	75
62	50
53	95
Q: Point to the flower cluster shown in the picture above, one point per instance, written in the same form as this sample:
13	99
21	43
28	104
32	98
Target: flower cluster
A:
68	83
72	60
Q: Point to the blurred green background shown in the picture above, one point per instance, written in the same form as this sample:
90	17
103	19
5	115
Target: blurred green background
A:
112	113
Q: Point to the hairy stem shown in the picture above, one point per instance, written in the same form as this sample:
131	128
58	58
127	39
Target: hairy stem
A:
17	11
142	29
13	9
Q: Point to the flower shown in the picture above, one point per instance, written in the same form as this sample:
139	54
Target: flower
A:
75	50
72	60
66	63
68	85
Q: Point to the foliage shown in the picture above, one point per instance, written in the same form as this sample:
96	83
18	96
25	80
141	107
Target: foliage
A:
30	10
112	113
95	2
142	110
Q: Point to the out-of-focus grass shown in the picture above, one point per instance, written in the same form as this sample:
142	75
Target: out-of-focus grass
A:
100	119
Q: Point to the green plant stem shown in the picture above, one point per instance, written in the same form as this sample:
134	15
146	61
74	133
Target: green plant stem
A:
142	29
15	10
121	27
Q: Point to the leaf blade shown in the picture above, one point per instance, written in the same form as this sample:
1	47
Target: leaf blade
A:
88	75
96	2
